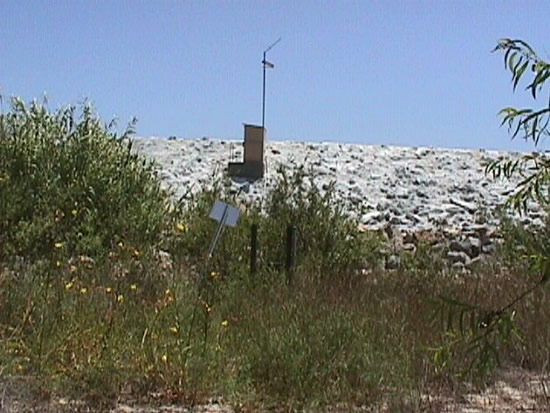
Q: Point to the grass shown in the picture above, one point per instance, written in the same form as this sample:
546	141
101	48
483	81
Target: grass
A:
115	299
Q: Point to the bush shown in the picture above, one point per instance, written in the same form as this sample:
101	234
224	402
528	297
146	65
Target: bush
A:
69	184
329	242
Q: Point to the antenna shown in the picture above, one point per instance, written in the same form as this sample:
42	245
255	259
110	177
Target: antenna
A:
270	47
269	65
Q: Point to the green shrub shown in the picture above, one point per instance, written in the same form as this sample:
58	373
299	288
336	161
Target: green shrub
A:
329	242
523	243
69	185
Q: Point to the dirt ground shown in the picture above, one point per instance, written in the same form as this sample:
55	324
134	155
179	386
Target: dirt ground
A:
514	391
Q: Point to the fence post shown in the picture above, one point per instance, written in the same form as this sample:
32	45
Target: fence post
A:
290	251
253	248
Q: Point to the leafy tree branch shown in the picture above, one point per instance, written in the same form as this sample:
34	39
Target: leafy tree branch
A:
486	330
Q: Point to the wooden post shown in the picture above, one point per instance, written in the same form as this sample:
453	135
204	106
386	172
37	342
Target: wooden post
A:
253	248
290	251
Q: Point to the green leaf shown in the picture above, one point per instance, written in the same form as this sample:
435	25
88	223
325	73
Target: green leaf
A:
492	350
512	61
519	73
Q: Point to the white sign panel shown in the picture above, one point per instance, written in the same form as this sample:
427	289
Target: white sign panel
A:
225	213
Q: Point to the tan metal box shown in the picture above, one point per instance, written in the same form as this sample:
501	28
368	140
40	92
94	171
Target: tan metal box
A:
253	143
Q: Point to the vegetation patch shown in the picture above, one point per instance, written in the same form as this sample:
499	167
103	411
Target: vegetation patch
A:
106	291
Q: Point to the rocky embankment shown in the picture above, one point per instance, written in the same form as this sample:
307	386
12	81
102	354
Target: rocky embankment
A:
408	192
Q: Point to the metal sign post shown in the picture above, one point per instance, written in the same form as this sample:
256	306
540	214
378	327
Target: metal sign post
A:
226	215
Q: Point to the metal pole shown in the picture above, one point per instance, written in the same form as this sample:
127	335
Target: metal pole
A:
263	96
290	252
253	248
263	90
217	234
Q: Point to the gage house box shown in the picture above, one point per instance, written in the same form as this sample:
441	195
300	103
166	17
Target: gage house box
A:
253	165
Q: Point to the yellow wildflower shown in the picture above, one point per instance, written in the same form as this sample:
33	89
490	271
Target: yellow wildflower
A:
58	264
120	298
69	285
120	244
180	227
83	290
225	323
133	287
164	358
74	212
215	275
136	253
108	290
58	245
174	330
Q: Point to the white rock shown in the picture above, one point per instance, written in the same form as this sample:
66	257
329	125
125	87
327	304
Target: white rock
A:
433	187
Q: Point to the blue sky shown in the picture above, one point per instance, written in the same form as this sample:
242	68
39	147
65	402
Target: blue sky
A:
415	73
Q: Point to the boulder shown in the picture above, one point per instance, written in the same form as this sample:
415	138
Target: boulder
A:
458	256
470	246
